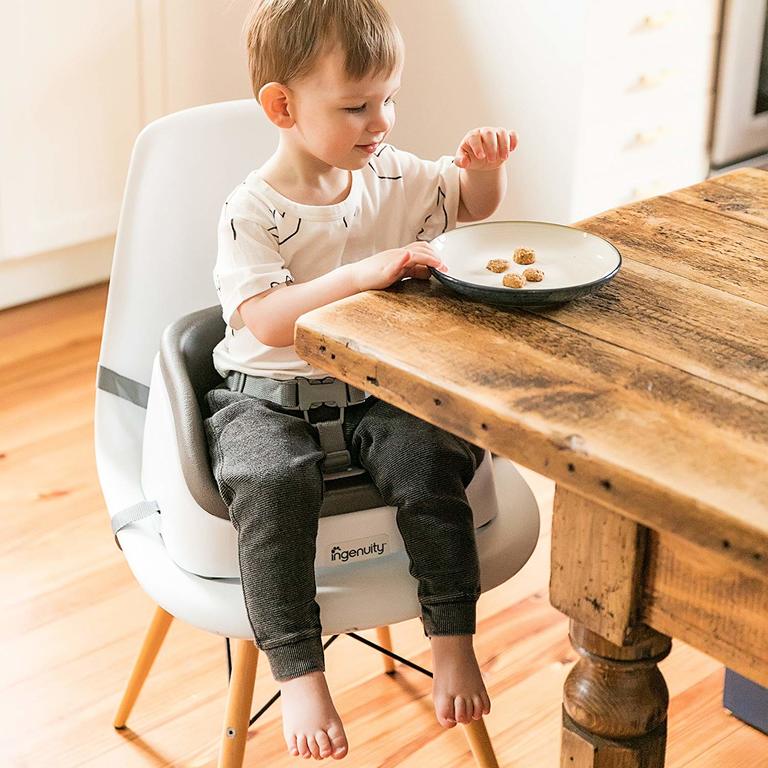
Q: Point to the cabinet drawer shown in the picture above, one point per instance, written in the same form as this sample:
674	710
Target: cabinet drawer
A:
646	30
604	182
623	138
635	88
599	193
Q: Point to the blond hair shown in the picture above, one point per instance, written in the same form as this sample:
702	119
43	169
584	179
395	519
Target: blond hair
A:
285	37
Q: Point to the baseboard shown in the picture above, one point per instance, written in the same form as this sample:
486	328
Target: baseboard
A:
47	274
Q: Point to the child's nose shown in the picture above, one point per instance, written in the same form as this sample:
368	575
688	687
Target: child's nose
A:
379	122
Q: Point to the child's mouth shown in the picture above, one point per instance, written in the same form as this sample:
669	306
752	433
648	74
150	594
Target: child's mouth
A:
369	148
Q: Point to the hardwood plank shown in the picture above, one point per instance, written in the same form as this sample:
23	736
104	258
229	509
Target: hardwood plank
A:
563	404
740	195
687	325
697	243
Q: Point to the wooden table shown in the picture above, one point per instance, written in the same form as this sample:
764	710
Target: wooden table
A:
647	403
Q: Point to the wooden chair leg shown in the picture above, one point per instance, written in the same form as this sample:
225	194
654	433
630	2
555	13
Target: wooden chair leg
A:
480	744
385	641
152	642
238	712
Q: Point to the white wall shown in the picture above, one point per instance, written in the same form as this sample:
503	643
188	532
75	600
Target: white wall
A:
498	62
78	81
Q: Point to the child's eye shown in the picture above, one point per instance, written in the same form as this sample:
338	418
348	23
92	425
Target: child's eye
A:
354	109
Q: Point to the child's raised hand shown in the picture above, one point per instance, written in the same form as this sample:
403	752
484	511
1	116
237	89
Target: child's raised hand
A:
485	149
387	267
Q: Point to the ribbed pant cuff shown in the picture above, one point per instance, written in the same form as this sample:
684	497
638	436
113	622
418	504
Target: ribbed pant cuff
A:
296	659
449	619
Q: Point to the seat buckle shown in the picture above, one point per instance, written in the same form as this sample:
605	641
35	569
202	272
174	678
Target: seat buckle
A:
313	392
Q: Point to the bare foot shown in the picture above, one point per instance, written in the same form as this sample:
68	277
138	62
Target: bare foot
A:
311	725
458	691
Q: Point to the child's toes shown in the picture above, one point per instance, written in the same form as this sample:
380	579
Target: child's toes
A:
460	707
486	702
338	742
477	704
301	745
444	709
323	743
292	748
313	748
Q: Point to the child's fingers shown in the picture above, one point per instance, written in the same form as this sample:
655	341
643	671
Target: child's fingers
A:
490	144
502	138
475	143
462	159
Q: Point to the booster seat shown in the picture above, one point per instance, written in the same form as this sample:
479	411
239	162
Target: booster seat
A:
176	473
162	322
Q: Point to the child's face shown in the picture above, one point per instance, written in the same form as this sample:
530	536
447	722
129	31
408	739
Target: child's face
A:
340	121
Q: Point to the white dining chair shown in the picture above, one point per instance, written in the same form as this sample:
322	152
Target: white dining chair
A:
161	323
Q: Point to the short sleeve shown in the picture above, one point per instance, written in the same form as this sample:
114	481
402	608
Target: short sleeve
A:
248	260
432	194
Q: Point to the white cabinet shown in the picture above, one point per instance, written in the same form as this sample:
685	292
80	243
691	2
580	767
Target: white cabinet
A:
646	100
611	99
69	111
78	82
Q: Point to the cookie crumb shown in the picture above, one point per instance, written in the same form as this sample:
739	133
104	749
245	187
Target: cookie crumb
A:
533	275
513	280
497	265
524	256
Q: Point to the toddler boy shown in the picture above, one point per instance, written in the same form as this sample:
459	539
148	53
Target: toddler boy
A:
334	211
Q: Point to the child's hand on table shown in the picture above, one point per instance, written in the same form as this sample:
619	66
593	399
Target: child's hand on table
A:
485	149
387	267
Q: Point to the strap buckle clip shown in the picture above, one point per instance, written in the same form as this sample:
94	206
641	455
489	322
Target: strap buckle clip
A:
313	392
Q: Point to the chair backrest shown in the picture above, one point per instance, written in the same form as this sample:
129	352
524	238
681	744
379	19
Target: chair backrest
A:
182	169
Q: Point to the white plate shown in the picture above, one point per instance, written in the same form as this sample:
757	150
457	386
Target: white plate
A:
574	262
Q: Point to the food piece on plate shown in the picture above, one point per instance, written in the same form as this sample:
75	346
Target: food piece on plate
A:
524	256
513	280
497	265
533	275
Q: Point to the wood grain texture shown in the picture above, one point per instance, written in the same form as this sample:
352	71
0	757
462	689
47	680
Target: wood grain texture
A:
651	395
699	597
602	593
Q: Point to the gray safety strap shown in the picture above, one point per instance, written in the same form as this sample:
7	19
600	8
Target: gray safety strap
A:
132	515
304	394
301	393
122	386
331	434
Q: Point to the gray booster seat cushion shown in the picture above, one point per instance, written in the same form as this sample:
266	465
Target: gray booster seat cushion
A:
186	364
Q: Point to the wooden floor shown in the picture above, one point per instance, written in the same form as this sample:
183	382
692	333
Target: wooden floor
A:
73	618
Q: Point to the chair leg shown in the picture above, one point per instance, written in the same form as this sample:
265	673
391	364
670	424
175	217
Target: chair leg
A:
152	642
385	641
480	744
238	712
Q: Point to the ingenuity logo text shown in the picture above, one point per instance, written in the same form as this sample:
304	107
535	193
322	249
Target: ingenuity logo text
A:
359	549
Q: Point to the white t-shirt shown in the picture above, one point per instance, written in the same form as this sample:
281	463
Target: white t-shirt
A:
266	239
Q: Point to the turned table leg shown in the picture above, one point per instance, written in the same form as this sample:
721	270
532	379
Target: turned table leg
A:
615	699
615	702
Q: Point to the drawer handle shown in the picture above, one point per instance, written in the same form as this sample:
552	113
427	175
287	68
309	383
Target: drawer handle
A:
657	20
643	138
653	81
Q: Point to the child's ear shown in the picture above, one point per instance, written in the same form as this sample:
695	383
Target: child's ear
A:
273	98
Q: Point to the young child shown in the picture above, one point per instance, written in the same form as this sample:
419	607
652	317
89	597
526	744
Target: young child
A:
335	211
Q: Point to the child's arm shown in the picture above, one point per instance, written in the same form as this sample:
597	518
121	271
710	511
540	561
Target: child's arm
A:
271	316
483	181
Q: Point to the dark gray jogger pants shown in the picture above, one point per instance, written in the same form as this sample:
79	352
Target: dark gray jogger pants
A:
267	463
